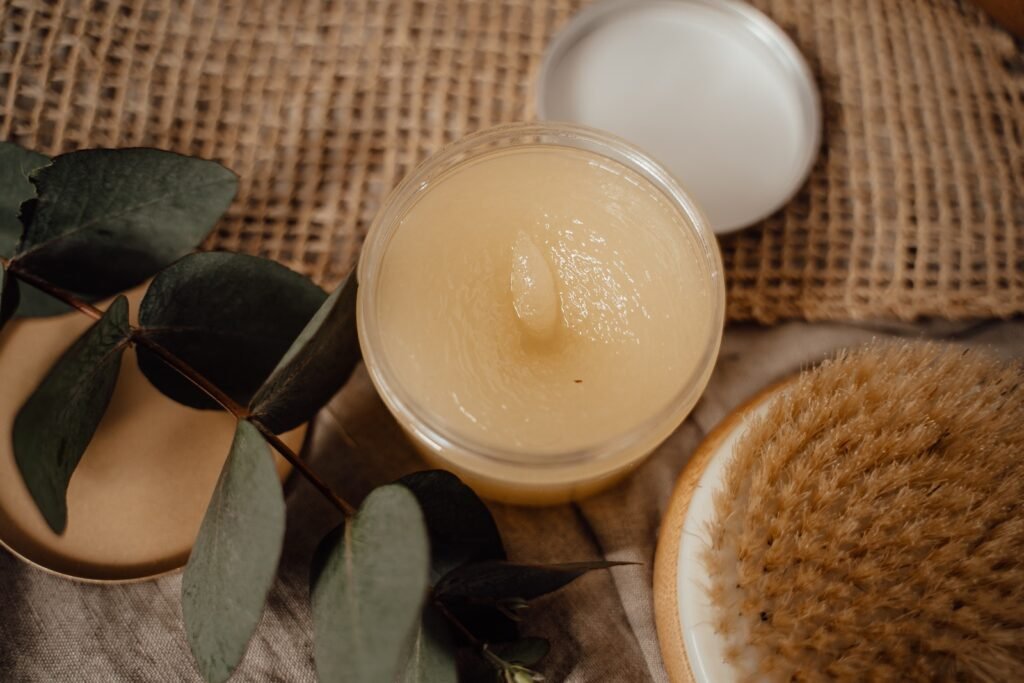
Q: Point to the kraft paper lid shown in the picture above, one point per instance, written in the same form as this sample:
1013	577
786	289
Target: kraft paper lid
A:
137	498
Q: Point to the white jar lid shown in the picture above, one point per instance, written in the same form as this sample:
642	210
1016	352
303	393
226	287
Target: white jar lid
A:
711	88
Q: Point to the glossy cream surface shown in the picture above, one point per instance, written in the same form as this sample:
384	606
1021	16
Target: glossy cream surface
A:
542	299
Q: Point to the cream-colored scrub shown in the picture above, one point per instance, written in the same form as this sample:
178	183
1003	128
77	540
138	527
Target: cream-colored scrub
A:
541	299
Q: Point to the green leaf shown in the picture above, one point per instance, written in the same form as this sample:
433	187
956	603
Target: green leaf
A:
461	530
461	527
367	600
431	657
317	365
107	219
495	581
16	163
55	425
234	560
8	296
230	316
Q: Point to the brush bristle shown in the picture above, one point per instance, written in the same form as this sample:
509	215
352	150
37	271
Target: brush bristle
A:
871	524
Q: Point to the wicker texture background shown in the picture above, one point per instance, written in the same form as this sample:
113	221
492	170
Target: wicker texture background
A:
915	208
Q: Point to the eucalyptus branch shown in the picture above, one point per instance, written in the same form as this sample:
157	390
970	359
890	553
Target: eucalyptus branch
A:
230	405
165	206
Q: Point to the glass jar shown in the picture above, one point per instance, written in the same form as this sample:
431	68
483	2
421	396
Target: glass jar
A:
514	475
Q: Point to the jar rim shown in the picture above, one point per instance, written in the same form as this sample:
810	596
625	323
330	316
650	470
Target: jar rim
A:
421	421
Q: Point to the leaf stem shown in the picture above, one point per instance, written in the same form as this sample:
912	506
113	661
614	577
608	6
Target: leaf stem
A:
300	464
229	404
53	290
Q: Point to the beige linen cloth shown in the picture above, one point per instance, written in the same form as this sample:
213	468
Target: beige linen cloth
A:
601	627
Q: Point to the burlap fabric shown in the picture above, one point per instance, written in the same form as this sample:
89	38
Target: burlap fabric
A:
915	207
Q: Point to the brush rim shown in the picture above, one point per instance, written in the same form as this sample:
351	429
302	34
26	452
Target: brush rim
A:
667	618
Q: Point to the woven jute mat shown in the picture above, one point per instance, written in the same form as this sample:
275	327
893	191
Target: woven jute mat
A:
915	207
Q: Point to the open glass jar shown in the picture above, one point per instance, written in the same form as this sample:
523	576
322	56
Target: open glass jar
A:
540	306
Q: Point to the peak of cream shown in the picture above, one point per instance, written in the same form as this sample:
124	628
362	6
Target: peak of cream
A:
533	289
543	299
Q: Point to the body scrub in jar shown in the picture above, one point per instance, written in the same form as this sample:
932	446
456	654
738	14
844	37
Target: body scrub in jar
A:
539	306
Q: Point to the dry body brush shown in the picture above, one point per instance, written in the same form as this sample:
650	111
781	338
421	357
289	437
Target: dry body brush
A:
871	523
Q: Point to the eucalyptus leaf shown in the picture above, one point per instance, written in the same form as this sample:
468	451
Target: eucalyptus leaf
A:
461	527
54	427
107	219
461	530
8	296
317	365
229	316
235	557
16	163
431	656
367	600
495	581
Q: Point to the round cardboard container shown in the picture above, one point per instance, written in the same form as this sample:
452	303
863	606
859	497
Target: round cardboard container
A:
692	651
137	498
713	89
